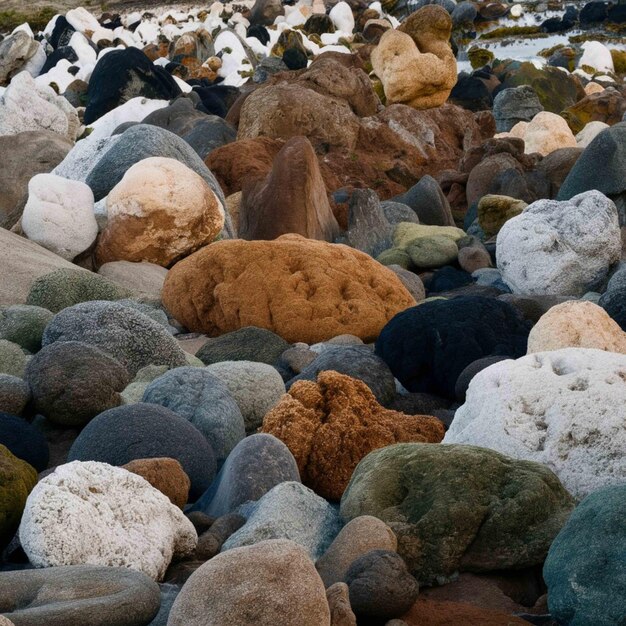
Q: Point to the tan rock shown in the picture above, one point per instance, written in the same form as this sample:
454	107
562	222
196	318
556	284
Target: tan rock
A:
143	280
576	324
357	537
415	63
301	289
338	597
591	88
329	426
233	206
166	475
292	199
160	212
548	132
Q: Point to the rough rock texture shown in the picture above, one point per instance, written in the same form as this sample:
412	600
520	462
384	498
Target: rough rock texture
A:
24	325
15	52
24	440
329	426
256	465
71	595
166	475
494	211
428	346
415	63
132	338
12	359
356	538
303	290
270	583
459	507
292	199
576	324
110	517
14	394
584	569
338	600
547	132
560	248
560	408
141	431
288	511
143	280
160	212
72	382
513	105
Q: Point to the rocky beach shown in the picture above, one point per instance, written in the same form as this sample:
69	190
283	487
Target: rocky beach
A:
313	313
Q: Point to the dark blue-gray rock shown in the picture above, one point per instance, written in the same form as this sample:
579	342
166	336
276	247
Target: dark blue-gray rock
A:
267	67
429	202
14	394
354	361
209	134
465	377
490	277
584	569
246	344
64	52
24	441
122	75
153	311
614	303
396	212
147	431
169	593
471	91
130	337
77	595
419	403
289	511
254	467
448	5
72	382
24	325
429	345
447	278
464	13
204	401
513	105
61	33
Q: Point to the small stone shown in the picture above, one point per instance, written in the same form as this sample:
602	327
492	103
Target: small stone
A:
338	598
166	475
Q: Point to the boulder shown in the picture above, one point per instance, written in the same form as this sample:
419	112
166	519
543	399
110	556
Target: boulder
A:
533	409
329	426
16	51
426	612
334	289
160	212
513	105
24	440
607	107
14	394
429	202
505	513
166	475
143	280
494	211
113	516
589	132
547	132
338	599
368	228
12	359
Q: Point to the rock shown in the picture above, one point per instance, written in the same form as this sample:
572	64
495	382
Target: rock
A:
576	324
204	401
330	426
160	212
338	600
72	382
353	294
505	514
141	431
15	52
292	199
25	155
256	465
288	511
535	411
358	537
589	132
281	587
557	165
428	346
608	107
560	248
473	255
494	211
17	478
64	288
415	63
84	156
264	12
124	74
433	251
59	215
24	440
117	519
411	281
427	612
513	105
380	585
210	543
142	280
368	229
579	592
429	202
166	475
255	387
78	594
132	338
467	375
547	132
14	394
12	359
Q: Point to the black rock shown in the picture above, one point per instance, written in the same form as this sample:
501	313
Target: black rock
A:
465	377
447	279
61	33
295	59
24	441
260	32
64	52
471	93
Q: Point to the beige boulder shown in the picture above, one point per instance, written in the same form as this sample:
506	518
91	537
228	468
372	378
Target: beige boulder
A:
576	324
544	134
591	88
143	280
160	212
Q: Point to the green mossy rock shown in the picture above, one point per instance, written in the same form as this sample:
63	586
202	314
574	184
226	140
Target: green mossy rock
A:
24	325
12	359
432	252
395	256
494	211
479	57
406	232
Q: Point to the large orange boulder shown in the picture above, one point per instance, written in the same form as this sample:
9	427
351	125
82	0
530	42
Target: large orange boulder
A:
329	426
301	289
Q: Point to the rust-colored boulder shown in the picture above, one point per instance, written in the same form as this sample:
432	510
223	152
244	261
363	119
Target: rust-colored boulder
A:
431	613
608	106
329	426
165	474
301	289
292	199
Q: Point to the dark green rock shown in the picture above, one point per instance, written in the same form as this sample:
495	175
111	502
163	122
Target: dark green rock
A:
24	325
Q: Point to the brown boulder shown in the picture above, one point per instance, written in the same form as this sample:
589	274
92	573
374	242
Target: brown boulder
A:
292	199
301	289
607	106
338	598
165	474
329	426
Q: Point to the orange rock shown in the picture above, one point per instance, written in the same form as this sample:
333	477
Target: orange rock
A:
165	474
301	289
329	426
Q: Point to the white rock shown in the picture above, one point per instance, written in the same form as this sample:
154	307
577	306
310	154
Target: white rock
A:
94	513
516	10
342	18
59	75
84	52
560	248
59	215
35	64
84	156
25	27
565	409
589	133
82	20
596	55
